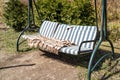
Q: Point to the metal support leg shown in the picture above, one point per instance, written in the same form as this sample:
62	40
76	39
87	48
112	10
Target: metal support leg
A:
17	43
92	58
29	23
112	48
90	66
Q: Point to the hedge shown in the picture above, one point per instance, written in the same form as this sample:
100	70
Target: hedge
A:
64	11
15	14
67	11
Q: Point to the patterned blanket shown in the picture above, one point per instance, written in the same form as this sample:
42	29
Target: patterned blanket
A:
47	44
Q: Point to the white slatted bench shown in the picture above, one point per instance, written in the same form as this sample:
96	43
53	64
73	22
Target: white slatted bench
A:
83	36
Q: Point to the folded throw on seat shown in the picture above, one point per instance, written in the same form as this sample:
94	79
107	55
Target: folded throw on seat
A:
48	44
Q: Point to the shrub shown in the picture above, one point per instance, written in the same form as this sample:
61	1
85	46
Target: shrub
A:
15	14
64	11
67	11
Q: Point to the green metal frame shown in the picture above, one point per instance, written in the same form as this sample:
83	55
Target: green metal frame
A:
31	22
103	34
89	41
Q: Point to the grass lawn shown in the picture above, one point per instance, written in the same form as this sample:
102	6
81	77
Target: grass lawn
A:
8	38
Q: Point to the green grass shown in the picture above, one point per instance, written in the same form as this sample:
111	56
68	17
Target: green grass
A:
8	40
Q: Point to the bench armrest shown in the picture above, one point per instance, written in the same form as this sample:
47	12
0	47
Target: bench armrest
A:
85	42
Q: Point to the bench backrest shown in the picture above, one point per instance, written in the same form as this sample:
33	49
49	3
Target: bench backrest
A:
48	28
62	32
76	34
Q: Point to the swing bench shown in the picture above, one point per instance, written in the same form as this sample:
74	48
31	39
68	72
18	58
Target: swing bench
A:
84	37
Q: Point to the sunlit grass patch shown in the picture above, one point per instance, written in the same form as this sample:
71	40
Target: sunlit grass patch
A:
8	40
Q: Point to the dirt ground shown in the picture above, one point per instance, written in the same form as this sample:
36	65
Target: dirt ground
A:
35	66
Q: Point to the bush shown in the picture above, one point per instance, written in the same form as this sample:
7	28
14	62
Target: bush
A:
67	11
64	11
15	14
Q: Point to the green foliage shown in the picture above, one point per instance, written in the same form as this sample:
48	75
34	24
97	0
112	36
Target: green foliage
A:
115	33
15	14
67	11
87	14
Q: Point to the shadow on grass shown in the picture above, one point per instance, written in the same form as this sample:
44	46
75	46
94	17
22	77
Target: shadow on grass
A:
80	60
22	65
83	60
112	72
73	60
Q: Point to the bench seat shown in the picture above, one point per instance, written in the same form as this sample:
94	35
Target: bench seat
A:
30	36
74	50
